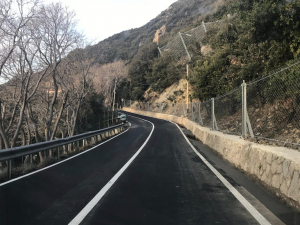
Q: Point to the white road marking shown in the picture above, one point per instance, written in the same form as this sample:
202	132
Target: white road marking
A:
55	164
77	220
260	219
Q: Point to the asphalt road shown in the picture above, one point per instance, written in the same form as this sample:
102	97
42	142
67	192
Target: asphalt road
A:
167	183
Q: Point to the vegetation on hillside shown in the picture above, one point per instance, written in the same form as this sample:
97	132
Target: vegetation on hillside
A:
261	36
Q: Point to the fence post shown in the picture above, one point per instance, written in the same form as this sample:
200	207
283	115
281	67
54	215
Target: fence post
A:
246	125
212	113
244	110
200	118
192	105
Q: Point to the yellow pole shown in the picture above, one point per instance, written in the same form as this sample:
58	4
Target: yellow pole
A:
187	87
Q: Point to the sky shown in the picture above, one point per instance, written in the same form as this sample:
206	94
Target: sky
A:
100	19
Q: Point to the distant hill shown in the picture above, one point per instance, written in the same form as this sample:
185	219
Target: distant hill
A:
181	15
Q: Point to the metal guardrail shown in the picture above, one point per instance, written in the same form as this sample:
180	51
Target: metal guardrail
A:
12	153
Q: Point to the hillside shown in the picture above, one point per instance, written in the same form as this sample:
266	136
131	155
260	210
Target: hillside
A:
125	45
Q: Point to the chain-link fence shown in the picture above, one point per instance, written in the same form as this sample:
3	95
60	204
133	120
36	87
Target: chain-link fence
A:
273	105
266	109
187	43
228	112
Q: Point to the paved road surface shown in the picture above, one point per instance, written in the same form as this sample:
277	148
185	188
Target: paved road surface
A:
167	183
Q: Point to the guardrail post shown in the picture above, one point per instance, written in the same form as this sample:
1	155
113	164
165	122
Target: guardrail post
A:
58	153
30	159
9	169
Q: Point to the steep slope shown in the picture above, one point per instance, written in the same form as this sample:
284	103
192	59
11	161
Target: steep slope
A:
125	45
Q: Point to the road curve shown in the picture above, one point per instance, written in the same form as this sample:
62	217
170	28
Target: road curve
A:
167	183
56	195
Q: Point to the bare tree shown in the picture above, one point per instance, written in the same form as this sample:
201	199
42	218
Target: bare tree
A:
76	80
107	77
15	62
57	37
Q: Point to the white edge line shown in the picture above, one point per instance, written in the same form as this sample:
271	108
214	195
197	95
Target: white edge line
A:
55	164
260	218
83	213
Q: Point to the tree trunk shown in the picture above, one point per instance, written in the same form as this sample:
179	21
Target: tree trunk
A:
2	131
74	119
36	132
59	115
29	133
51	106
16	134
63	136
1	143
113	109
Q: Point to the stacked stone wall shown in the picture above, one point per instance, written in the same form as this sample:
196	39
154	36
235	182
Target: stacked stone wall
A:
277	168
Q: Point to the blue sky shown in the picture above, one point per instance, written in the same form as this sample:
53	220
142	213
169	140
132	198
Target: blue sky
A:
99	19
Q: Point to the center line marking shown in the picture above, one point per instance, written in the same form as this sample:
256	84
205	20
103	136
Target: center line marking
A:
83	213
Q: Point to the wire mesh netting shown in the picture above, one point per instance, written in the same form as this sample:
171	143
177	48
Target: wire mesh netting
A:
228	112
205	113
273	105
186	43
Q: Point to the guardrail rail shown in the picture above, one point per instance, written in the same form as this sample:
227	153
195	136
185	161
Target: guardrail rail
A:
13	153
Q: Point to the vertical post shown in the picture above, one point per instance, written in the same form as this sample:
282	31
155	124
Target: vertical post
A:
200	118
175	108
58	153
30	158
160	52
160	108
212	113
244	109
9	169
148	107
130	103
187	88
203	24
192	111
187	52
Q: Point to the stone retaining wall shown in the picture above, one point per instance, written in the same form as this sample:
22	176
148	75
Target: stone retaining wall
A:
277	168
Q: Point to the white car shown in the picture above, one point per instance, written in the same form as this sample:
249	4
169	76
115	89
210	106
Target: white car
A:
122	117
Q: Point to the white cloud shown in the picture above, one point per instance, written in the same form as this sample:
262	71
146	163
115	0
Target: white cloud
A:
99	19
